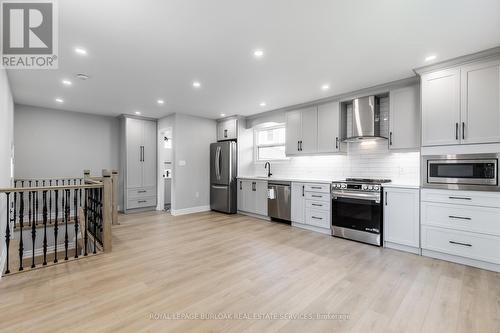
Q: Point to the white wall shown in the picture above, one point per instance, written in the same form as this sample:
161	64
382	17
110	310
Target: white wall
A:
165	127
6	154
192	137
54	143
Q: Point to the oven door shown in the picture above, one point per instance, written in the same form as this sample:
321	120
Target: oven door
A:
362	214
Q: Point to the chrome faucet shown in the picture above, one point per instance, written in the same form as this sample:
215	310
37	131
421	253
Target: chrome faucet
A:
267	166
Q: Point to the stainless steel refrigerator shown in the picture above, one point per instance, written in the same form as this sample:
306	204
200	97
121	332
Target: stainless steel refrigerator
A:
223	166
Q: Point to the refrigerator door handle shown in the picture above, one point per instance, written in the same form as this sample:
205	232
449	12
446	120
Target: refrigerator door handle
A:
217	162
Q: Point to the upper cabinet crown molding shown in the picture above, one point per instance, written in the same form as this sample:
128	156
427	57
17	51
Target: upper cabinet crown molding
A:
461	105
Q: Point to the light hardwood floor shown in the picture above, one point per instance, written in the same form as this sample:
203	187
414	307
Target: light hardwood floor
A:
219	264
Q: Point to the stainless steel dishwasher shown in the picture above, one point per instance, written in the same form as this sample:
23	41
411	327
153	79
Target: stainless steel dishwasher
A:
279	200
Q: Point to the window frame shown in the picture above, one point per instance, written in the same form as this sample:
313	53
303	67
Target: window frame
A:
257	146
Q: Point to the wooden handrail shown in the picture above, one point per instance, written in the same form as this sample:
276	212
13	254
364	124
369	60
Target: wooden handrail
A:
49	188
42	179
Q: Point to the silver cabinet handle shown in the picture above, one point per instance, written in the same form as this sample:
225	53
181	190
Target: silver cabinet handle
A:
317	205
241	185
463	130
459	243
225	133
317	196
337	142
141	201
316	218
298	145
316	187
459	218
459	198
390	138
456	131
386	196
303	190
141	191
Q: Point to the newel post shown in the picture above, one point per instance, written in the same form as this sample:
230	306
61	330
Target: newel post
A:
114	178
107	209
86	175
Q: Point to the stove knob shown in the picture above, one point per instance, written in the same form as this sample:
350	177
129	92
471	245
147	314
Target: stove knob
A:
370	187
365	187
344	185
376	187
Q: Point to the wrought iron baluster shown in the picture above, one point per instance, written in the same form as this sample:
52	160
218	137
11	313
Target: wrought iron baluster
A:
50	203
29	206
36	205
56	226
66	217
44	197
94	210
7	233
15	208
33	238
75	200
85	211
21	226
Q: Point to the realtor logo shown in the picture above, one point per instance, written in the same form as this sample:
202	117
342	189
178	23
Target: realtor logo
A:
29	34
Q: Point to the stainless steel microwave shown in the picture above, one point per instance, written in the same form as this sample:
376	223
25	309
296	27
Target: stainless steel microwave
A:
475	172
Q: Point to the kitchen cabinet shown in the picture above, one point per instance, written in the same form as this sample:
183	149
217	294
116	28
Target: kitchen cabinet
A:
227	129
402	219
461	105
480	109
298	202
441	107
404	115
140	162
252	196
301	131
311	206
328	128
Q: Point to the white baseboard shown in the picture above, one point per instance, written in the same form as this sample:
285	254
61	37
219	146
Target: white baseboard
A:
461	260
191	210
312	228
400	247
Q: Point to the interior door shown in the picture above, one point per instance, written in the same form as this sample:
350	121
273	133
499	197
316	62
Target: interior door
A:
134	130
309	141
441	108
149	175
481	103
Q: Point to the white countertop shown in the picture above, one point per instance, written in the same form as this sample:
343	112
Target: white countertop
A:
323	181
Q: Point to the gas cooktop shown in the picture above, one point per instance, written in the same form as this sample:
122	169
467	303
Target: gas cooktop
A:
367	180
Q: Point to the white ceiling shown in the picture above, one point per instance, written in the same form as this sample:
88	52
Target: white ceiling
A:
139	51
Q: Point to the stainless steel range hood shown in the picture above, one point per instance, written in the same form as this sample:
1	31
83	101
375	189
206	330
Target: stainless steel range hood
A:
364	120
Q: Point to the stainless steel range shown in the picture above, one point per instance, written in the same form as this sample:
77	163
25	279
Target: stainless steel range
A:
357	210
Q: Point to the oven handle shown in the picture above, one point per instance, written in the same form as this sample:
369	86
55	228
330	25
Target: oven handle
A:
360	196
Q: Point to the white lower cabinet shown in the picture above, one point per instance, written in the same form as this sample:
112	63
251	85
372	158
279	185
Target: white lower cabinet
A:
252	196
402	219
462	226
311	206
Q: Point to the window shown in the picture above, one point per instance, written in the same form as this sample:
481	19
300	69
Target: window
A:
270	143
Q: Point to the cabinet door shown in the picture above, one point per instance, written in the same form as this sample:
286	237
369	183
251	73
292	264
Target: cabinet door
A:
133	137
298	202
149	175
309	140
404	113
241	196
441	108
481	103
227	129
293	131
260	198
328	128
248	202
402	216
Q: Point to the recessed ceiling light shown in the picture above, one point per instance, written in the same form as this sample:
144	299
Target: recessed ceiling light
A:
67	82
258	53
325	87
431	57
59	100
262	104
160	101
80	51
82	76
196	84
138	113
222	114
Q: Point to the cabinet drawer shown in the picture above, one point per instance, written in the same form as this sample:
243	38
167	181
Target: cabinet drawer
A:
318	205
315	196
318	218
467	218
141	192
468	198
322	188
141	202
461	243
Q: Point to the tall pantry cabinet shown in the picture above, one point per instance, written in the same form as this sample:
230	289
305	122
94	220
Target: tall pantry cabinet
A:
139	162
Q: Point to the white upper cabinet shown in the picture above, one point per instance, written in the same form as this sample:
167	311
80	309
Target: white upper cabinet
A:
441	107
404	117
328	128
227	129
293	132
309	140
481	103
